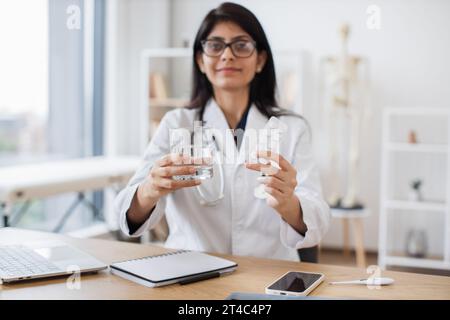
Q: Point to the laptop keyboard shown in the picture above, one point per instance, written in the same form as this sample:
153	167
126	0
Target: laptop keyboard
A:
16	260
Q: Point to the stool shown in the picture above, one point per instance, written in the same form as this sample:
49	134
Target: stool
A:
354	216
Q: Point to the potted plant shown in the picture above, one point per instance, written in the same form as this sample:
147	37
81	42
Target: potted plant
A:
415	193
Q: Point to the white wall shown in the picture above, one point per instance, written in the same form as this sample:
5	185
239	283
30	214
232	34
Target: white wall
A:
408	58
132	25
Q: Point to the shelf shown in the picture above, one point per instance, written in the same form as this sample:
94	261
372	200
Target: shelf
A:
416	205
398	122
168	103
166	53
418	147
416	111
417	262
349	213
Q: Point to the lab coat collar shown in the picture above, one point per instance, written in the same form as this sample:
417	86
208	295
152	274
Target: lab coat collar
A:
215	118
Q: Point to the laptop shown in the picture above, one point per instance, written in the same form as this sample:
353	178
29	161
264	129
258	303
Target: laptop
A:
44	259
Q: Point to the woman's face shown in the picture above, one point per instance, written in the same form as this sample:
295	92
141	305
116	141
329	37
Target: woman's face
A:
226	71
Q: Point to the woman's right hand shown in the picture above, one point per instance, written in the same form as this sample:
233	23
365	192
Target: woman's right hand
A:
159	181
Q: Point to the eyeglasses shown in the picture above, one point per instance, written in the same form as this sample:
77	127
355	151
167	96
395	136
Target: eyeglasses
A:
239	48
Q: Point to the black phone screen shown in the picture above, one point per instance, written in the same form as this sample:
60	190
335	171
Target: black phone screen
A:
295	281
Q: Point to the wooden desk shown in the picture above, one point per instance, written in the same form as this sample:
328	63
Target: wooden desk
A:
252	275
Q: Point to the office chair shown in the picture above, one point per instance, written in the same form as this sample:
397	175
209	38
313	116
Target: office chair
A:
309	254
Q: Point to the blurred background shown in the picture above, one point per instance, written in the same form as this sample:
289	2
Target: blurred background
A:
90	78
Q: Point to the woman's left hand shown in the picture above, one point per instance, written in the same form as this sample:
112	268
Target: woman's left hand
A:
280	183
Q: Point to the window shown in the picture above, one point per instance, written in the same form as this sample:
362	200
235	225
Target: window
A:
23	80
51	95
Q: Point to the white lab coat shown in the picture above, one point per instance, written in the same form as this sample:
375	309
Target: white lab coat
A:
239	224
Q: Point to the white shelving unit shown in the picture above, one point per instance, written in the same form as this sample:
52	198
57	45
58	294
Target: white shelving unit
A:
390	206
149	108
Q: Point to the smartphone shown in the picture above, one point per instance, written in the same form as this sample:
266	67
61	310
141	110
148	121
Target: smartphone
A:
295	283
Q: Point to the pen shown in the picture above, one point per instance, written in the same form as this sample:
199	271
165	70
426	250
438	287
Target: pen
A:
200	278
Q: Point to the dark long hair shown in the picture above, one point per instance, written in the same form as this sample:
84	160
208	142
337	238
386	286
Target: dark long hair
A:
263	85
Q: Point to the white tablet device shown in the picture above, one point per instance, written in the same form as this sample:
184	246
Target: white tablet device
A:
295	283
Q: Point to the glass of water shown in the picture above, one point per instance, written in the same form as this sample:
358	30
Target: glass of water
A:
199	157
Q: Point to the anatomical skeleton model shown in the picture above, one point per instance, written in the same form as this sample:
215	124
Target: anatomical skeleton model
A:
344	96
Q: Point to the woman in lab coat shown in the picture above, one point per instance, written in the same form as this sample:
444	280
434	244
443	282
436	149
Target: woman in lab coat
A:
233	87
